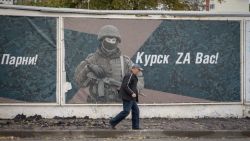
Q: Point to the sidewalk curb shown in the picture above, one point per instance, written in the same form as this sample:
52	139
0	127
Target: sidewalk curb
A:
123	133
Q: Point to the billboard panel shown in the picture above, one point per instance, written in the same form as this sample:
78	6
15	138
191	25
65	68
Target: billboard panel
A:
27	59
184	61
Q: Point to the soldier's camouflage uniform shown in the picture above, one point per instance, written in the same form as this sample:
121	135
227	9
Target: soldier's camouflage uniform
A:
104	89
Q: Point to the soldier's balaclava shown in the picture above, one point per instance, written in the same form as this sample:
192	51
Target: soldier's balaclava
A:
109	45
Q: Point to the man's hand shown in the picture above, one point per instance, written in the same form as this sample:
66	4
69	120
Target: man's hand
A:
133	95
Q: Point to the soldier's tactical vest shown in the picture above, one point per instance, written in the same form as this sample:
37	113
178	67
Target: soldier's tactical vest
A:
106	90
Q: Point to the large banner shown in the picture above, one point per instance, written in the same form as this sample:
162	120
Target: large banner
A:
184	61
27	59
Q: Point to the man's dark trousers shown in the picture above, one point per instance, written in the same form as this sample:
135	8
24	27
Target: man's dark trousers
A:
127	105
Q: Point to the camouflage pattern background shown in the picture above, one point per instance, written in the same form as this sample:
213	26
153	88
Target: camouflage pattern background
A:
27	37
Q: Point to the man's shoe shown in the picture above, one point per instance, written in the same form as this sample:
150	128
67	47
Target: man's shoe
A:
111	126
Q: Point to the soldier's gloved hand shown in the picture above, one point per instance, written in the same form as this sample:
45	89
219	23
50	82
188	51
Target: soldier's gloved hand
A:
97	70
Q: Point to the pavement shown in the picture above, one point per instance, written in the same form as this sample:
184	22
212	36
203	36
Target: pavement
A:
37	127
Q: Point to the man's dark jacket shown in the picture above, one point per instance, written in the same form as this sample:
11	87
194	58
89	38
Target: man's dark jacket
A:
129	86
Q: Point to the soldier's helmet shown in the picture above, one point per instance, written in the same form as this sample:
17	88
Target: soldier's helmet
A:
109	31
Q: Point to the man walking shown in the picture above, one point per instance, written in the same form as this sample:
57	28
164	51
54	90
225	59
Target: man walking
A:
129	93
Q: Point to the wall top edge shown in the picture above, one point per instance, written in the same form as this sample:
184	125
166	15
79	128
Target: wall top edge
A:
127	12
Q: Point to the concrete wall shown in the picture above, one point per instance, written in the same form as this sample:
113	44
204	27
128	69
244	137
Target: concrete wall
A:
146	111
175	110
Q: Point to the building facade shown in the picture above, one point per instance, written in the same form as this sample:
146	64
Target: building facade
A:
9	2
226	6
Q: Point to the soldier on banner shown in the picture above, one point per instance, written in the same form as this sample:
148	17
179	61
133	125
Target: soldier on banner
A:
102	72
